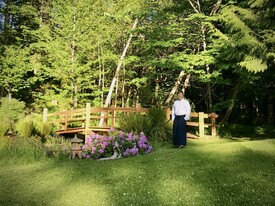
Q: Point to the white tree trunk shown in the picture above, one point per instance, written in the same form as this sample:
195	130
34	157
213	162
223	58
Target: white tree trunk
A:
186	83
116	94
9	95
215	8
108	99
123	90
175	88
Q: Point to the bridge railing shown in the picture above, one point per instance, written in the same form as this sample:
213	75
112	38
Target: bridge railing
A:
86	119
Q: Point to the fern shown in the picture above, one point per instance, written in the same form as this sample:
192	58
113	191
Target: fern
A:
237	24
244	36
254	65
257	3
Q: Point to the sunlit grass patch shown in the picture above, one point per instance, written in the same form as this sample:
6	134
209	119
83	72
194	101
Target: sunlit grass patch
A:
83	193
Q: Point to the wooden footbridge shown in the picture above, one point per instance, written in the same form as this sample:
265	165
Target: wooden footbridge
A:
86	120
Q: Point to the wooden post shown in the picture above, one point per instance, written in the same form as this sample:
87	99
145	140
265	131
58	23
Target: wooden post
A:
113	118
88	119
201	124
138	107
105	122
66	120
83	116
213	125
45	112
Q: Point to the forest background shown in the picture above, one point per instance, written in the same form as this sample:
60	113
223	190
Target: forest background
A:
62	54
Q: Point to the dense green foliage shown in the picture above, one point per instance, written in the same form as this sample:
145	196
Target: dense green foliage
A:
3	129
206	173
62	54
25	149
24	127
135	122
11	110
154	124
21	150
161	129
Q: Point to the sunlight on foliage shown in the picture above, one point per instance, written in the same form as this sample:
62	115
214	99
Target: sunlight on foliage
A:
255	65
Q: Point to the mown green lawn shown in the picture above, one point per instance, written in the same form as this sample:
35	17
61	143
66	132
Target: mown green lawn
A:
223	172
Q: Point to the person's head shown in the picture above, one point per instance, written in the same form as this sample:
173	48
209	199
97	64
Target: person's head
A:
180	95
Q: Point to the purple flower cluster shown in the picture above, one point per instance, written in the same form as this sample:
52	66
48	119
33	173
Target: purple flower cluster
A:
129	144
95	145
131	152
143	143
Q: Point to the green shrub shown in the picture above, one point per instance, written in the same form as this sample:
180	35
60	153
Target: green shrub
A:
33	125
57	146
135	122
161	129
21	149
239	130
227	135
154	124
41	128
4	147
25	127
11	110
45	129
260	130
3	128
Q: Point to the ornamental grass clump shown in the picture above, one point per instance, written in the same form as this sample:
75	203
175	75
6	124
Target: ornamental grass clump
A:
128	144
21	149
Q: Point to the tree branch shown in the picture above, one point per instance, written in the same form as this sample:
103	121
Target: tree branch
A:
195	9
215	8
199	6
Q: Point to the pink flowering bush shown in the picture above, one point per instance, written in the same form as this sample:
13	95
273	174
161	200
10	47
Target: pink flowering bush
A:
98	146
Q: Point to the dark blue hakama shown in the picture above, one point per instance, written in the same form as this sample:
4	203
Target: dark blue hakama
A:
179	131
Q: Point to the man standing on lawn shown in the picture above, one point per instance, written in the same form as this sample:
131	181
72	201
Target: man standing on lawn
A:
180	114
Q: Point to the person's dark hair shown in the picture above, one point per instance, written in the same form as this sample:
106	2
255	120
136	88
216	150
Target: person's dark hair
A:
180	92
